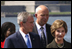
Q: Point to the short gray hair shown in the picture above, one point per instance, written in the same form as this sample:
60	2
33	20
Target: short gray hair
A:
22	17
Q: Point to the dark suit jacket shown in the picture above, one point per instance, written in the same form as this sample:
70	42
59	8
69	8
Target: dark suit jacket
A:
48	32
16	41
54	45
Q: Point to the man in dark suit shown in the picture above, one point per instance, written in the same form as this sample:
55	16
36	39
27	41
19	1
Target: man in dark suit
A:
19	39
42	15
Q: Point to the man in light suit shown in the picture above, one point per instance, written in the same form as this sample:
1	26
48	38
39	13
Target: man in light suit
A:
18	39
42	15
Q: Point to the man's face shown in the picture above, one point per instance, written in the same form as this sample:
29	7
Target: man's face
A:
42	17
28	26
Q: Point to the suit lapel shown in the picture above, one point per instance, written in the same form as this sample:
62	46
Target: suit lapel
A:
54	45
20	40
47	32
32	40
35	29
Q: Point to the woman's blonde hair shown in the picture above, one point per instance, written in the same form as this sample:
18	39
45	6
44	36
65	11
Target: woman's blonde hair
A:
58	24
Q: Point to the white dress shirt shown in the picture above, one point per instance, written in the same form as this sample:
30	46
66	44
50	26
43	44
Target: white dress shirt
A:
25	39
39	30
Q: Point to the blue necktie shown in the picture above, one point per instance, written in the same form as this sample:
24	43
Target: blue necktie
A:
28	42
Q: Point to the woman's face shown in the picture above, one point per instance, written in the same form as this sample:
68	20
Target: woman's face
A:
60	33
10	30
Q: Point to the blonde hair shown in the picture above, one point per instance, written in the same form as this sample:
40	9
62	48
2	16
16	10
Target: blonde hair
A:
58	24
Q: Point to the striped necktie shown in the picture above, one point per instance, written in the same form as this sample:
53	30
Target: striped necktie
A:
43	39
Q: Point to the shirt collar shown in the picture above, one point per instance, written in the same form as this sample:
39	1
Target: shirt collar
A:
22	33
38	26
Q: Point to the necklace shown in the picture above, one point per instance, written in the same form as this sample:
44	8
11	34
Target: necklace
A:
60	45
